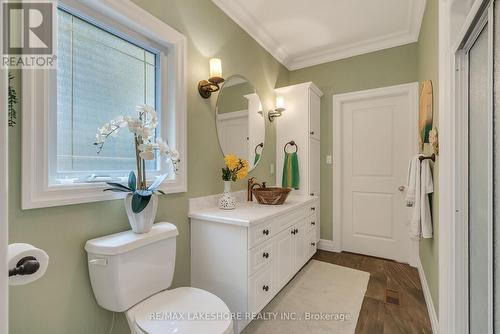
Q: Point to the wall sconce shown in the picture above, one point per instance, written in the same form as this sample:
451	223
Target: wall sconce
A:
206	88
278	111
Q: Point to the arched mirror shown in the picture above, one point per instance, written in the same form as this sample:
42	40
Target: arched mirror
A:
240	121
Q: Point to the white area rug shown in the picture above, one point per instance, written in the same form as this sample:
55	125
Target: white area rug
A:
320	289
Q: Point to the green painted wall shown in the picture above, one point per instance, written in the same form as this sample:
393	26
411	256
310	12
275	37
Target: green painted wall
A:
233	98
428	69
378	69
62	301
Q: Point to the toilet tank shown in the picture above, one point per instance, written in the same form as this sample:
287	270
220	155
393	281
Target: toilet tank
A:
126	268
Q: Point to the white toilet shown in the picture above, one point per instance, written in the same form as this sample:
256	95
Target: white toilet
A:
130	273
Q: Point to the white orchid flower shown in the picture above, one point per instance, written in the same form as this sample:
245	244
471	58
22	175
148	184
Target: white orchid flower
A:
162	146
147	155
174	155
99	138
145	109
133	123
120	122
147	151
147	132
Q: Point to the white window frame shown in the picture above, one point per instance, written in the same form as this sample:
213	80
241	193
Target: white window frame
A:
38	105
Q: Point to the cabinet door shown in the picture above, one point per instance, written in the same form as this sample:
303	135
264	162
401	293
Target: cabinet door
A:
312	243
300	245
314	116
314	167
261	289
284	257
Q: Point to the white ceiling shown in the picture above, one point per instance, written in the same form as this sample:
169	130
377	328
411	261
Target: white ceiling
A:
302	33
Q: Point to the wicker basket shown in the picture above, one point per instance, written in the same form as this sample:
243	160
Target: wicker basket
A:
271	196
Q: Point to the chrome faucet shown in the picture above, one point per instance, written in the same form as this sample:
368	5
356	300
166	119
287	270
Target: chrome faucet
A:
251	185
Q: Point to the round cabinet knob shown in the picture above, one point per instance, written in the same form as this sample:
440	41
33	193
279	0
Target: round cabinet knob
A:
313	244
265	288
313	223
313	208
296	230
265	255
265	232
401	188
312	132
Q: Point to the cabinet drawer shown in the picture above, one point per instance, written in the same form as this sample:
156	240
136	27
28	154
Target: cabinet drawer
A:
312	243
260	256
312	222
313	207
260	233
291	218
261	288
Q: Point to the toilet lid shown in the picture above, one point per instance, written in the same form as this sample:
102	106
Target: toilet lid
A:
183	311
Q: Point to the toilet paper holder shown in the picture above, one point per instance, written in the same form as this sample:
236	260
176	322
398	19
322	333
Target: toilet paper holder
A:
26	266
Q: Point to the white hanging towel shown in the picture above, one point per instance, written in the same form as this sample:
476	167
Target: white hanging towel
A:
419	186
411	183
427	187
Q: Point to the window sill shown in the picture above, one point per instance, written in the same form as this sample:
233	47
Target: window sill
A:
60	195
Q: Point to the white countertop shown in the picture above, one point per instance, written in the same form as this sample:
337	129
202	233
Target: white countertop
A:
250	213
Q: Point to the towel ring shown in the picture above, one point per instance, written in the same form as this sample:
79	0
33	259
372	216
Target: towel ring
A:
261	145
432	158
291	143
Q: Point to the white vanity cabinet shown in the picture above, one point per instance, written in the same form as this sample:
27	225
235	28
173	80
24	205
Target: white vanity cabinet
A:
247	255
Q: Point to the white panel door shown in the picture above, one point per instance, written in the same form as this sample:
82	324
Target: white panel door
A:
234	136
375	150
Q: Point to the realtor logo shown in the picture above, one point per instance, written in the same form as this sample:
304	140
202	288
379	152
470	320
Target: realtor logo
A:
28	34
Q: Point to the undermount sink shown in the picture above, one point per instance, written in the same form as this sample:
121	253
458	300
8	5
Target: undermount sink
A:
271	195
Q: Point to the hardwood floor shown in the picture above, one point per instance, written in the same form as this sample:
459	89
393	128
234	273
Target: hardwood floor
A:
377	316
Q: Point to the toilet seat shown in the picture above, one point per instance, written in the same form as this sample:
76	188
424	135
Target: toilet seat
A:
183	310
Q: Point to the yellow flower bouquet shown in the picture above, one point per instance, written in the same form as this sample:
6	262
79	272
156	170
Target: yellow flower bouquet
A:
235	168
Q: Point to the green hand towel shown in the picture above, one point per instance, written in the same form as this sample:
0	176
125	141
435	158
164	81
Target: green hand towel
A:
291	177
257	158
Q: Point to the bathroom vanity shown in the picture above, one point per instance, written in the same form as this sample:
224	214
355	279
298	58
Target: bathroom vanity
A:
247	255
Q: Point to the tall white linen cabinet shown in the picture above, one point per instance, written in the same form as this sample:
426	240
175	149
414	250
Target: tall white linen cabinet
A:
300	123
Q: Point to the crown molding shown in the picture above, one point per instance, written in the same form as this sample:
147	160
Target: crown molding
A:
248	23
326	53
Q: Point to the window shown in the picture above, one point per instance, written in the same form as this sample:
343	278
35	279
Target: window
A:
110	59
100	76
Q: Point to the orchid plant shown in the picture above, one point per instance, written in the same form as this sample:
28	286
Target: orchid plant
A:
143	129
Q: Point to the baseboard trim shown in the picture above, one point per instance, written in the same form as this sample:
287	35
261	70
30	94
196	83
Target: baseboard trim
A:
428	298
328	245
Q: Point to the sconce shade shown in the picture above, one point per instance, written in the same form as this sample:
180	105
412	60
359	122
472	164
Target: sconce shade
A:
280	103
206	88
278	109
215	70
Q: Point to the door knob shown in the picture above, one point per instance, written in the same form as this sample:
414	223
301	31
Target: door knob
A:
401	188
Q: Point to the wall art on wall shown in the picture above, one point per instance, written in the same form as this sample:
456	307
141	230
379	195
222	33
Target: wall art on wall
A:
425	111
